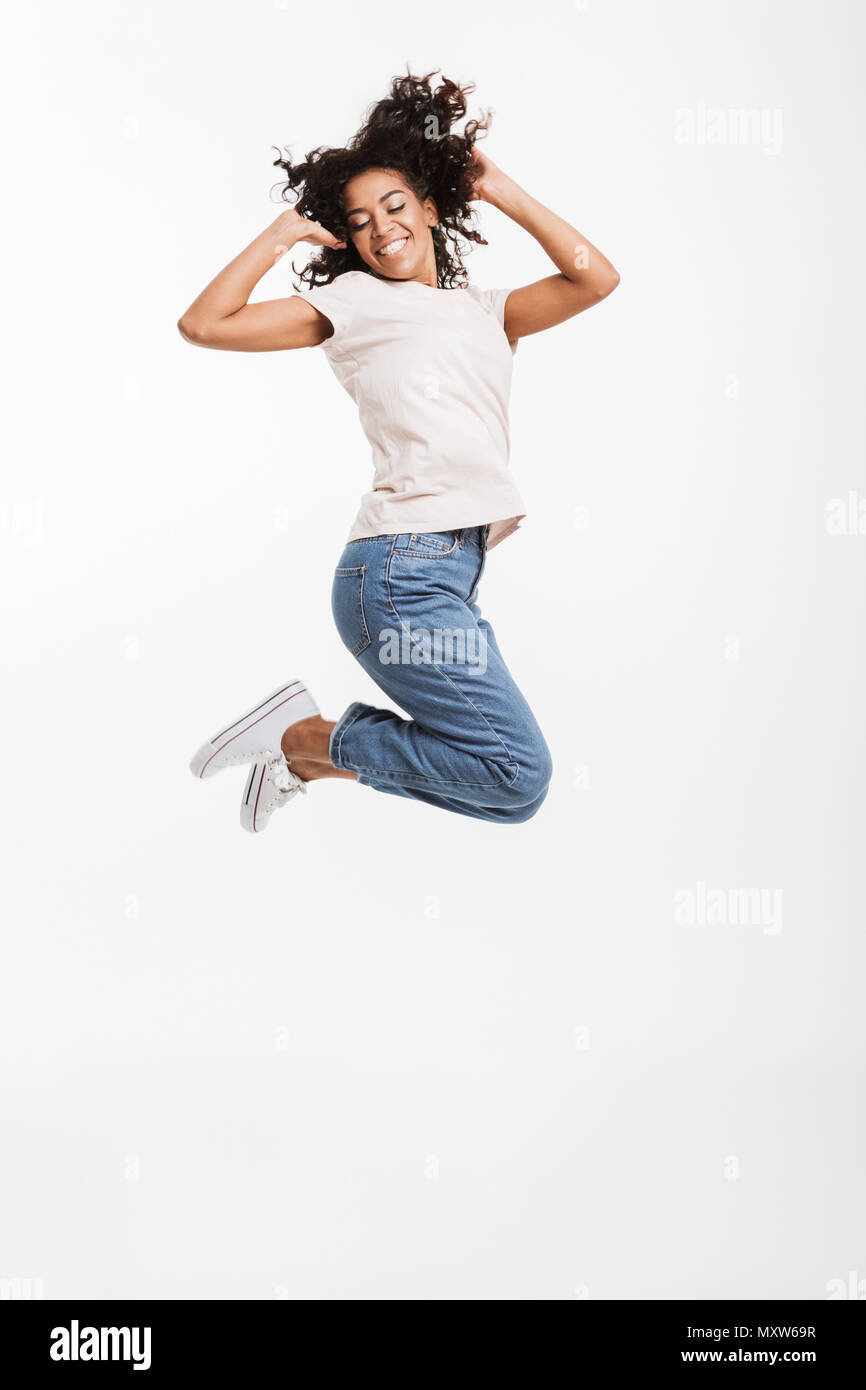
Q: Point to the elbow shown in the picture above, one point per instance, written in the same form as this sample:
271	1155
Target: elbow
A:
190	330
610	283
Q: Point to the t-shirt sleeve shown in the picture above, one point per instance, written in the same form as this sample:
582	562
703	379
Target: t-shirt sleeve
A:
335	301
494	302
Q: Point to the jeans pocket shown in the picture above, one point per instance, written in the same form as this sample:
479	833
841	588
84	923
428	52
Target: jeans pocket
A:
431	545
347	606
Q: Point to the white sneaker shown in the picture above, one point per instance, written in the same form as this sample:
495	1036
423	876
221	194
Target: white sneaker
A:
257	735
270	784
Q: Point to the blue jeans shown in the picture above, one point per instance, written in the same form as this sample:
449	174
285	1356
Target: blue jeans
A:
406	608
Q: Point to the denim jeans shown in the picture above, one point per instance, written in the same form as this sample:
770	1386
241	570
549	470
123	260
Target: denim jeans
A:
406	607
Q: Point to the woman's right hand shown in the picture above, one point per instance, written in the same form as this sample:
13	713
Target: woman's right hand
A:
222	316
290	228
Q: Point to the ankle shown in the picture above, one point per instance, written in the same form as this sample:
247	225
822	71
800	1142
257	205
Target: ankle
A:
308	740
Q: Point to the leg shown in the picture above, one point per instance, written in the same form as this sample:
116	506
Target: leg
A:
405	608
305	748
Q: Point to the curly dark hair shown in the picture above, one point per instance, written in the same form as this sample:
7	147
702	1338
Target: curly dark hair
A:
410	131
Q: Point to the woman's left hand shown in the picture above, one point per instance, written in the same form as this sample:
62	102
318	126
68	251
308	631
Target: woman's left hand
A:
485	176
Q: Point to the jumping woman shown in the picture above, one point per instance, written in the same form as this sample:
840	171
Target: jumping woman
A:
427	358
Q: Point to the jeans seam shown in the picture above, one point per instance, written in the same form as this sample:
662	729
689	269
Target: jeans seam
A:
388	579
474	585
362	614
509	758
420	777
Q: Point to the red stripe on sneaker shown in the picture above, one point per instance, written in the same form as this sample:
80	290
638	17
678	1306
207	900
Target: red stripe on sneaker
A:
250	712
247	727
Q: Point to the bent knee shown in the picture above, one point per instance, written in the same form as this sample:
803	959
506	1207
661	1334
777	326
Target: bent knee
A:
529	788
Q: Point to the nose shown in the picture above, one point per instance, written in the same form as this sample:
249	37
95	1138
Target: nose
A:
381	224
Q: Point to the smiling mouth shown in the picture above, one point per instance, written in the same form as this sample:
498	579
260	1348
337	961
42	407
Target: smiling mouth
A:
393	248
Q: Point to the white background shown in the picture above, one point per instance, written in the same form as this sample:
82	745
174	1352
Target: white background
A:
380	1051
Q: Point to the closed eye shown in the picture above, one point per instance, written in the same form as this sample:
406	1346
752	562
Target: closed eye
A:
359	226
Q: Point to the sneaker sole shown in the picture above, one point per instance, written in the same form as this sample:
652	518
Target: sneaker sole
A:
202	765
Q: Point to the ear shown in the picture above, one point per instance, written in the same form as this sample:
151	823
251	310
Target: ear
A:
432	212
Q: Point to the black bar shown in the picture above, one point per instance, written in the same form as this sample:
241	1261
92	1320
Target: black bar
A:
220	1338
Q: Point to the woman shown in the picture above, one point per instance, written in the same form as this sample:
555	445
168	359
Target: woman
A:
427	358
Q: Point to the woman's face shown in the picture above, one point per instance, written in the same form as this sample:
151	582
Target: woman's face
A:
389	226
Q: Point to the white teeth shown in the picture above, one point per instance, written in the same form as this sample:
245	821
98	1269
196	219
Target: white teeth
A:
393	247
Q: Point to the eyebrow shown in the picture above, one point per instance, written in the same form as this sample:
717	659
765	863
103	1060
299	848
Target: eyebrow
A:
384	196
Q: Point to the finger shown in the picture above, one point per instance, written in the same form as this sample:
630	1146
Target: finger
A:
326	236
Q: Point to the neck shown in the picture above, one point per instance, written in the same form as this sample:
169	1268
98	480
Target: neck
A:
428	276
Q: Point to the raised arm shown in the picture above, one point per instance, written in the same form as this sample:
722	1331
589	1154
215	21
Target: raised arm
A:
221	317
585	275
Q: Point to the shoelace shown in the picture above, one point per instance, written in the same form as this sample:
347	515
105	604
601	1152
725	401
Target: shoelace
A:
285	782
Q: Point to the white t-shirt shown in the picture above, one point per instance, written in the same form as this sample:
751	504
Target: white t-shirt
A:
430	371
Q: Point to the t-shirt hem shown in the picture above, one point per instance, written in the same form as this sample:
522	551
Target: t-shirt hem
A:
506	526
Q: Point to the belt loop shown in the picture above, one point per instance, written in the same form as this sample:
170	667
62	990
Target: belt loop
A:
462	535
